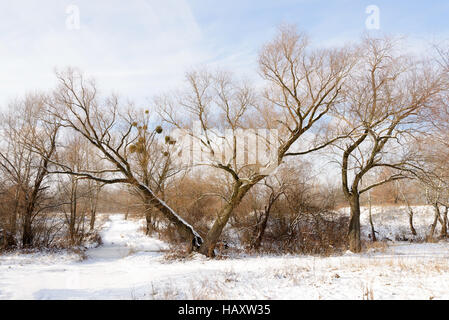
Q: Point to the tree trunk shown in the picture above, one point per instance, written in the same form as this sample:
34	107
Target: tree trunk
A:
27	236
261	230
410	218
373	231
10	234
92	220
444	223
435	221
15	214
355	244
73	211
410	222
93	209
185	229
148	215
9	239
208	247
127	208
410	213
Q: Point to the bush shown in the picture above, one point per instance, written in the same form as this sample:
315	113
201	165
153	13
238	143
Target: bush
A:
320	232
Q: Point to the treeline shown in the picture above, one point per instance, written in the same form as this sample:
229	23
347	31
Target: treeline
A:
376	113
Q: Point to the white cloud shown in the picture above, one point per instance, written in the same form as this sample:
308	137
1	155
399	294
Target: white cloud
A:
136	48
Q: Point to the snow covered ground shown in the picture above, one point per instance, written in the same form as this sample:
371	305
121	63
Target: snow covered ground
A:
391	222
132	266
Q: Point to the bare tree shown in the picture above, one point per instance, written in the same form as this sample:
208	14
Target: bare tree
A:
410	212
385	97
79	109
435	147
303	86
275	187
434	182
205	94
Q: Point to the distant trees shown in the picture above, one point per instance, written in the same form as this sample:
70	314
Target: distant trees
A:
78	197
434	180
26	128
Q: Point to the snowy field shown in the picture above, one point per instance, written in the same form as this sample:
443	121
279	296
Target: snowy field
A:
130	265
391	223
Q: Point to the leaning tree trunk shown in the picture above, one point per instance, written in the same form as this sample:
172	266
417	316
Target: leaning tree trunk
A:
185	230
355	244
208	247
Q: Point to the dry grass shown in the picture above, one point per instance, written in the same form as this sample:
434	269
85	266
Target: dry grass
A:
377	246
196	290
207	290
367	292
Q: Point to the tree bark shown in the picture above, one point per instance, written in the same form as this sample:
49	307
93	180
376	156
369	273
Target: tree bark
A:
355	244
263	226
13	220
373	231
410	212
444	223
435	221
27	235
261	230
410	222
148	215
208	247
186	230
93	210
212	237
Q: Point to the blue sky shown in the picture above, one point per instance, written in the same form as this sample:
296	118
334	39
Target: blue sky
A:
141	47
